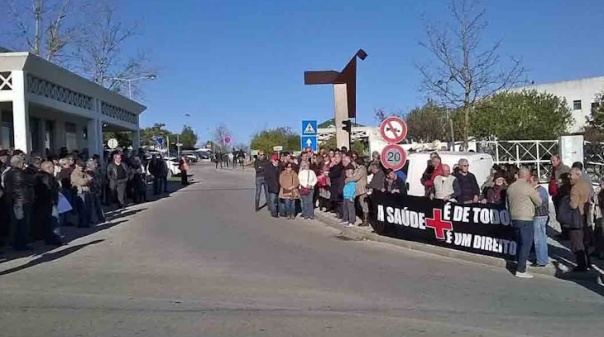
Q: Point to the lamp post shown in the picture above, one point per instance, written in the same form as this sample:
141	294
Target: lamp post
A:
134	79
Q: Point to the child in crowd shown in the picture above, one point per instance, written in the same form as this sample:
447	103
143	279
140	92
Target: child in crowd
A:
348	213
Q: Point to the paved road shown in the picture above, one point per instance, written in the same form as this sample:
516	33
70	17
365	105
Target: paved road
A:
203	263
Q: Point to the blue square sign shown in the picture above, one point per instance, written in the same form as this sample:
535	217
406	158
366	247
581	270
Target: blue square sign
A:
309	128
308	141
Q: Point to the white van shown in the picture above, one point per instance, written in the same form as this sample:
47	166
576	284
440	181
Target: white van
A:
480	166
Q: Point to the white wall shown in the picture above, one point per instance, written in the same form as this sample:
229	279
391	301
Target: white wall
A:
583	89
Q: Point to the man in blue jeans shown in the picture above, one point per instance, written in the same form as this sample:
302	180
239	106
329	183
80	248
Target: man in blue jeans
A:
540	223
271	179
522	200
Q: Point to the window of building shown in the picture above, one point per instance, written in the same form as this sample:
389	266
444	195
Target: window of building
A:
34	133
71	137
577	104
6	131
49	135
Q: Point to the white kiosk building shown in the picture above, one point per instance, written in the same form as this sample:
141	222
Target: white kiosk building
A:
44	108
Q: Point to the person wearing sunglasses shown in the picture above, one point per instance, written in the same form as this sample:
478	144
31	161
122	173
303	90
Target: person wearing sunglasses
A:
288	180
469	191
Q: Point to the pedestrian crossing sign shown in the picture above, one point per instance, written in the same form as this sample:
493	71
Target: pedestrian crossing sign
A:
309	128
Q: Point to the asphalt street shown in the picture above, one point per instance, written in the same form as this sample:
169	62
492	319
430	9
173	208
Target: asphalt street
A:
201	262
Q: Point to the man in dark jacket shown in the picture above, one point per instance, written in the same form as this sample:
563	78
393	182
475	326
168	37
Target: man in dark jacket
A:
271	179
46	190
118	175
468	186
4	217
337	176
154	170
259	166
20	195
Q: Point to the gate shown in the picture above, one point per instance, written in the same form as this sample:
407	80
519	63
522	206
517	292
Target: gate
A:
594	159
534	154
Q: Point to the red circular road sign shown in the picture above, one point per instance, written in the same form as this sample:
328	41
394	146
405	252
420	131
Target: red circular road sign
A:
227	139
393	130
393	157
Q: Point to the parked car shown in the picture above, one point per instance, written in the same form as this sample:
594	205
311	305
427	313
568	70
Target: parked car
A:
173	166
191	156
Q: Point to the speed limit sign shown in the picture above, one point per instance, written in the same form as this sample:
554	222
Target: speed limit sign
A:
394	157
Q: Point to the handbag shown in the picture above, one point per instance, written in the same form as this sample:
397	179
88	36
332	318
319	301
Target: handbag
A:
569	217
304	190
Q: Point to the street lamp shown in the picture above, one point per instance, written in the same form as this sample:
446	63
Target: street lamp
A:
150	77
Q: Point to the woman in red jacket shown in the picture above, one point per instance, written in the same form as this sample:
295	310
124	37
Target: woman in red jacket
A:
428	180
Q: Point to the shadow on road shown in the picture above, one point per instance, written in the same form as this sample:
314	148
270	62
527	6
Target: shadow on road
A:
48	257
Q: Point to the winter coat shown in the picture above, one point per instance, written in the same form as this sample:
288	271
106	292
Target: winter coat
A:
46	188
378	181
307	178
468	187
360	178
271	178
336	178
112	174
289	185
18	186
81	180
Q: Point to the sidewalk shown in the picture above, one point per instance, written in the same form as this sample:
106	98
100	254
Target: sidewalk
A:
559	266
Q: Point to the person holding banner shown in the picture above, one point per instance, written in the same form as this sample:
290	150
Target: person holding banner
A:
446	186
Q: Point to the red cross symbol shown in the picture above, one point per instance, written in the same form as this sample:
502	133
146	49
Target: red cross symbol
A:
438	224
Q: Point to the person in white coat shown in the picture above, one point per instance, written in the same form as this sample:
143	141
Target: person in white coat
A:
308	180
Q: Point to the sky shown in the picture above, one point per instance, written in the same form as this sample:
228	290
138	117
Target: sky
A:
241	63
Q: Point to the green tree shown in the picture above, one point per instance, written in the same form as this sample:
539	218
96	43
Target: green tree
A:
281	136
521	115
158	129
359	146
188	138
428	123
595	122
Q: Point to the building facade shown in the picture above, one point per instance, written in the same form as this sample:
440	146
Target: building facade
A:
580	96
45	108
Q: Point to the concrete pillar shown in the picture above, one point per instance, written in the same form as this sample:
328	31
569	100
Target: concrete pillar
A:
59	134
341	114
20	112
95	130
136	140
95	137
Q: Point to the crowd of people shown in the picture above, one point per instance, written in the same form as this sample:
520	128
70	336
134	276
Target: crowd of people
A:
236	157
338	181
335	180
40	195
576	206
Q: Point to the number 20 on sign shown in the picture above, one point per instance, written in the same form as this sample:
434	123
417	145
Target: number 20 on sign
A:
393	157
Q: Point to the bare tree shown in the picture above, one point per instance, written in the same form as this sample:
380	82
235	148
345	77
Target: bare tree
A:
100	52
85	36
220	134
462	71
42	26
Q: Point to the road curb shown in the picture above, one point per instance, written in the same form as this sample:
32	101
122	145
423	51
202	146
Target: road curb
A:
555	268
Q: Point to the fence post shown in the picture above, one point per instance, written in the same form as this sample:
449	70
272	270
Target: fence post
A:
517	155
538	161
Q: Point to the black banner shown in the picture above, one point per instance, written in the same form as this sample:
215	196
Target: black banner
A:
477	228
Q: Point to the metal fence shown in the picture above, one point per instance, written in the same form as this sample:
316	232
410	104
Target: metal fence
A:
535	154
